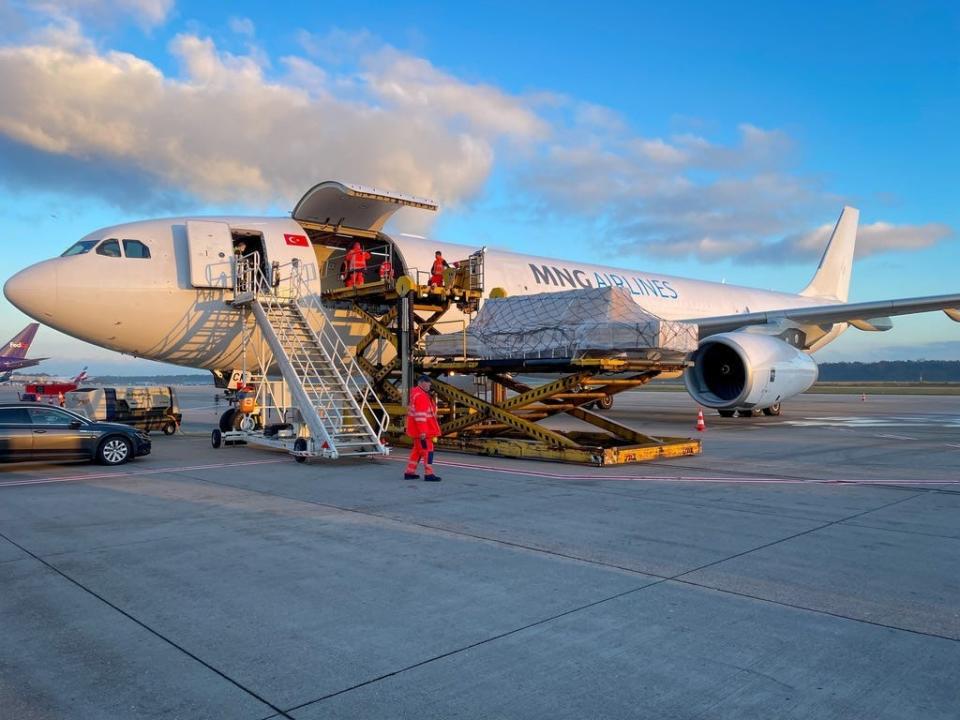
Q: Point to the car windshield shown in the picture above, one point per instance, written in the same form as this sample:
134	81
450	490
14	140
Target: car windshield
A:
79	248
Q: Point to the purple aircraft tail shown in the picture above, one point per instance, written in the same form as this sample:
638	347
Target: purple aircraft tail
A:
20	343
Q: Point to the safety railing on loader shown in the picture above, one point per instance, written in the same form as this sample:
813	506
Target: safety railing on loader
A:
283	289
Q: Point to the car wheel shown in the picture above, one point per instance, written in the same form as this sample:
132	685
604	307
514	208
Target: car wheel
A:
774	409
170	428
227	420
727	413
216	438
300	445
115	450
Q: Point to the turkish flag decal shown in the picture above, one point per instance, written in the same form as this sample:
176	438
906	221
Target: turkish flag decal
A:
298	240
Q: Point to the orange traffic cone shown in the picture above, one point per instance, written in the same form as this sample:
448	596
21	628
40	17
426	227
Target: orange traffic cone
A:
701	426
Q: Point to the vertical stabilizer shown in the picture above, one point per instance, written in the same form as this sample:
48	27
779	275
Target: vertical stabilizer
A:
20	343
832	279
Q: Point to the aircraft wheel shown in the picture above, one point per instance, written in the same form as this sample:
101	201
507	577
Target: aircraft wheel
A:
745	413
216	438
774	409
727	413
227	420
300	445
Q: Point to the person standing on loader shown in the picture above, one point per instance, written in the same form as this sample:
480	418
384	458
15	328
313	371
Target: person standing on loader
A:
422	427
356	260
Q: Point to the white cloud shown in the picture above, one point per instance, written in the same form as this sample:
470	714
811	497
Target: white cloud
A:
231	128
242	26
146	13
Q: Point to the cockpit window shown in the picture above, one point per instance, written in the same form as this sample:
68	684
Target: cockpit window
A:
135	249
79	248
110	248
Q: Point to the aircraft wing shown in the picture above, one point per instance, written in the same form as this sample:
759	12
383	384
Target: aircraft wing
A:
865	315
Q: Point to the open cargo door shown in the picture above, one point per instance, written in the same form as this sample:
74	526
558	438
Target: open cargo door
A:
211	254
354	210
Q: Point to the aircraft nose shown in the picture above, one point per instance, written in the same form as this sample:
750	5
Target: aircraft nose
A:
34	290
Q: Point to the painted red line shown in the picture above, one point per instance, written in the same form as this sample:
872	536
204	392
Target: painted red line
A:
152	471
679	478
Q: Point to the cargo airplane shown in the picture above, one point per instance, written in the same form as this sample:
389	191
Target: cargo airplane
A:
13	356
159	289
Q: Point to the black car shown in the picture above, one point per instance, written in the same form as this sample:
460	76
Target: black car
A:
32	431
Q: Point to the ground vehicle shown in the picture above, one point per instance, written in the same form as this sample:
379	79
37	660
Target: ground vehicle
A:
38	432
147	408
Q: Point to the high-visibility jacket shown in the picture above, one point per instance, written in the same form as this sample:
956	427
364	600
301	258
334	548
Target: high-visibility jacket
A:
356	259
438	265
386	269
422	415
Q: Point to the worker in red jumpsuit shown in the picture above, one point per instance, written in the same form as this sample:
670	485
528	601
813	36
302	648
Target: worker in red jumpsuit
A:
436	271
422	427
386	271
356	261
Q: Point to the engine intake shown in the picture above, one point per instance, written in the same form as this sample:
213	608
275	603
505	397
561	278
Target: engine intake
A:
741	370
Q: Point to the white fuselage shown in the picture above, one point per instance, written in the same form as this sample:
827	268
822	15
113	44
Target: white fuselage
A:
148	307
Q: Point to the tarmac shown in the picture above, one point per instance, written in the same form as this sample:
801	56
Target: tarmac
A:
804	566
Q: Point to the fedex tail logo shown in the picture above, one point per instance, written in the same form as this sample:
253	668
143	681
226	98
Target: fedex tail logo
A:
17	345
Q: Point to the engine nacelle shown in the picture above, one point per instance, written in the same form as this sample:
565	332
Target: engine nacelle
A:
741	370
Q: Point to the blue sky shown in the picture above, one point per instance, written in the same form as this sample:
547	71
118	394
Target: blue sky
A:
693	139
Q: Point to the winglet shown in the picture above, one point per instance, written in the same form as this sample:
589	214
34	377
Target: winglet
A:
953	314
832	279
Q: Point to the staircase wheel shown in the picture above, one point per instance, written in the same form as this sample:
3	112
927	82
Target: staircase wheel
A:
300	445
216	438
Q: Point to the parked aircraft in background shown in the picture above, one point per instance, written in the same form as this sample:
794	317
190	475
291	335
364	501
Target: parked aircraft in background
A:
158	289
13	355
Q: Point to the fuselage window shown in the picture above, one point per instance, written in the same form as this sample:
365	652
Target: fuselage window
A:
79	248
110	248
135	249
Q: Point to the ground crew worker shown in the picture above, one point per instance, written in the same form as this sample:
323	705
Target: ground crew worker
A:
422	427
60	398
356	260
436	271
386	270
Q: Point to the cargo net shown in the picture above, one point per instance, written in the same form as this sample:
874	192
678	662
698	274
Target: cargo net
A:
569	324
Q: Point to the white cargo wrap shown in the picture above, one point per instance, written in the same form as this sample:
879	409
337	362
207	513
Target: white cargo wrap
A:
566	325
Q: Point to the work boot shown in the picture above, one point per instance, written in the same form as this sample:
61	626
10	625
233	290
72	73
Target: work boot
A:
410	476
432	478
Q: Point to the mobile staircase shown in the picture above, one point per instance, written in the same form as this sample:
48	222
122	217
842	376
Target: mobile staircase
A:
342	415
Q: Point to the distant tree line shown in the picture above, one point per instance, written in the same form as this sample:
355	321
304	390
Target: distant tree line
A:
935	371
185	379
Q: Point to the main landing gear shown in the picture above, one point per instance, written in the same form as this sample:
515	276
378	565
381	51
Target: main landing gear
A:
771	411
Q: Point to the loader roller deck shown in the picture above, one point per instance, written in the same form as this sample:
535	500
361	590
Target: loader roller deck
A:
505	417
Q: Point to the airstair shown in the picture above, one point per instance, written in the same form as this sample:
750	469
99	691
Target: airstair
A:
335	400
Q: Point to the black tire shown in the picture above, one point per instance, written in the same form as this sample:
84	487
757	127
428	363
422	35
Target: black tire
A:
727	413
744	413
216	438
604	403
114	450
170	428
300	445
773	410
227	420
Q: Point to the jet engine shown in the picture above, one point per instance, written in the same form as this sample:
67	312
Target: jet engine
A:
746	371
